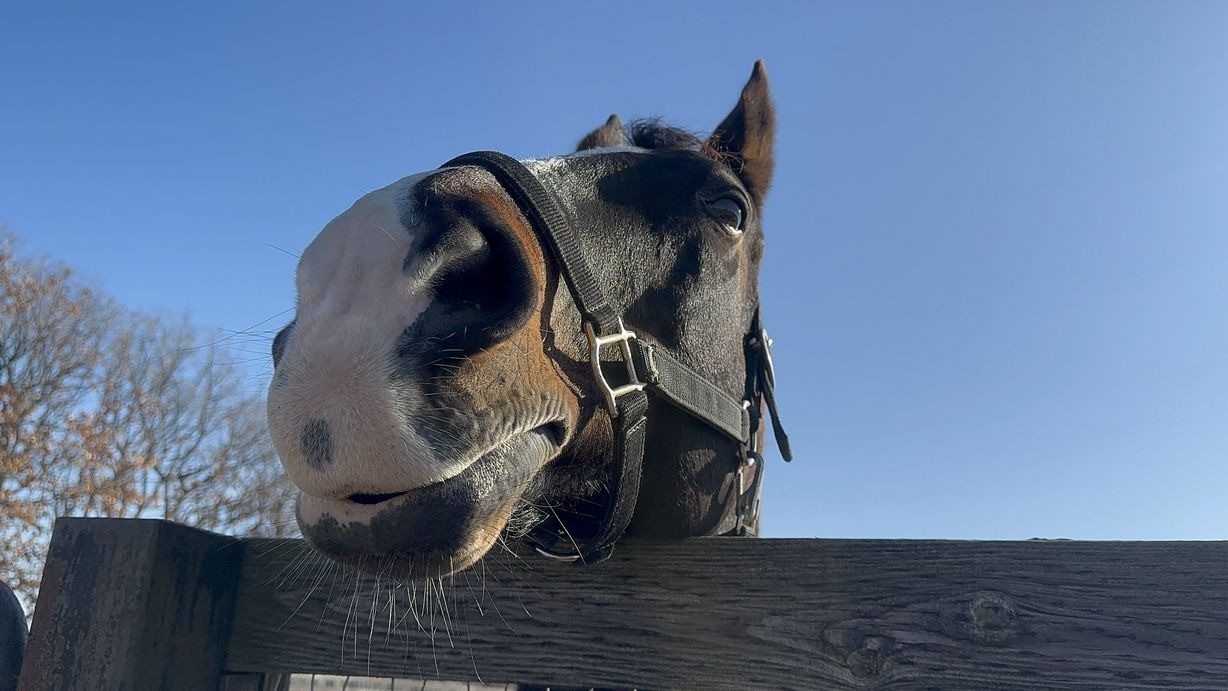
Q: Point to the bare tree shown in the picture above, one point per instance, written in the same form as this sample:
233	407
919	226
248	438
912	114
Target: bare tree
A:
108	412
49	345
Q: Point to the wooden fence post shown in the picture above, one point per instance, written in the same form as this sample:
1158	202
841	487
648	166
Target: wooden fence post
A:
132	604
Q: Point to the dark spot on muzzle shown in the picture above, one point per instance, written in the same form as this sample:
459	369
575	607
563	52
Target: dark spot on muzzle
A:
317	444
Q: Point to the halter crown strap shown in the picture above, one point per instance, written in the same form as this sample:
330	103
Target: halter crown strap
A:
648	367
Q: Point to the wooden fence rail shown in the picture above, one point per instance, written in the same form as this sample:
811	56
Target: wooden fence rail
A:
150	605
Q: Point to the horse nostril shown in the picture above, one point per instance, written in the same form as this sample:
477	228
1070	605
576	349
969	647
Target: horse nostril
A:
369	499
483	286
279	342
471	278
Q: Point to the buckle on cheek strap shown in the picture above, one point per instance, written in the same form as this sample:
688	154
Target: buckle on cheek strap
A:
623	338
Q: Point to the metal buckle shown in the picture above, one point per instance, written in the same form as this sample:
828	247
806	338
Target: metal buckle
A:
751	458
739	506
622	338
742	511
768	368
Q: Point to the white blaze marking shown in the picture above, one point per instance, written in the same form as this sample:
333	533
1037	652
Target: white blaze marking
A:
354	266
355	297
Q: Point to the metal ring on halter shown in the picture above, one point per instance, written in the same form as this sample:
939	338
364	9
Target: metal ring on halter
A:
557	557
755	452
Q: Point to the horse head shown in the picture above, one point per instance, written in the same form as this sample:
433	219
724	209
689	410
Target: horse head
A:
443	378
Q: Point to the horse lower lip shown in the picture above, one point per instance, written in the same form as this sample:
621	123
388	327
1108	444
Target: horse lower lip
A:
555	432
433	529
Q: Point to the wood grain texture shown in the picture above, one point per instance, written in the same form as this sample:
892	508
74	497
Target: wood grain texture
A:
131	604
735	614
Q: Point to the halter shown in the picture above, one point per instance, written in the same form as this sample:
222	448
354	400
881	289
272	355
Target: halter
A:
649	369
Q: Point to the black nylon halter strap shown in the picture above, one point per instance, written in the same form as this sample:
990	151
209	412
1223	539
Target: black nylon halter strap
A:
648	366
685	388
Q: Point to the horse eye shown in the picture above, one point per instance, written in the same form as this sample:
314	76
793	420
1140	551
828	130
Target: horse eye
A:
730	213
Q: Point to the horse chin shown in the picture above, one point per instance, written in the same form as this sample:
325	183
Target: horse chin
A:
434	530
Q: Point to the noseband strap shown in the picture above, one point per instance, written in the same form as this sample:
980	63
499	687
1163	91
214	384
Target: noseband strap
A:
649	369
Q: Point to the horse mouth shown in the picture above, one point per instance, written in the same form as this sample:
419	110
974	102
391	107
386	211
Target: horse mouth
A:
437	529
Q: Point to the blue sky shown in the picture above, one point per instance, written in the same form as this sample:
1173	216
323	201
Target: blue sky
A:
997	265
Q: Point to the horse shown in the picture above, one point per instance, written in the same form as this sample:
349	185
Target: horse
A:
562	350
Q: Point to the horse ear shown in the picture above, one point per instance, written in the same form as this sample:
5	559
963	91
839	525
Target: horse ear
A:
612	133
746	136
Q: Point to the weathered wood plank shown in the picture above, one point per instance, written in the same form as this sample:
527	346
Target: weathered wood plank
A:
131	604
724	613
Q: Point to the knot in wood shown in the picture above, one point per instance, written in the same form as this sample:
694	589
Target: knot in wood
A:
991	617
869	659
